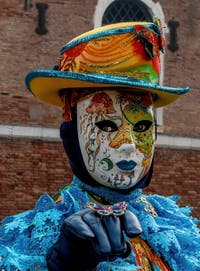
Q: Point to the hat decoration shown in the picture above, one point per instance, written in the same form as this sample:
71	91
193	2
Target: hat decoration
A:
123	55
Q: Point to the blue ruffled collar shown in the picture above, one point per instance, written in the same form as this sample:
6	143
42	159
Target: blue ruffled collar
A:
107	193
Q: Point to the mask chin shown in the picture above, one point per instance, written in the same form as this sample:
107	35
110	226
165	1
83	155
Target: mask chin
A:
144	182
69	136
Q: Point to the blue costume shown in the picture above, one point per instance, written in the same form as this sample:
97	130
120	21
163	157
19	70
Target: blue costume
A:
25	238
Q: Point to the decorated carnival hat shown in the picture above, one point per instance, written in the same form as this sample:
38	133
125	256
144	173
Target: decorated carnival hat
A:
124	55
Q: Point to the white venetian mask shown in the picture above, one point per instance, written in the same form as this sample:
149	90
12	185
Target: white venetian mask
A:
116	136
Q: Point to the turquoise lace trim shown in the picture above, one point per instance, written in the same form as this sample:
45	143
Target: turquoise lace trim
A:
170	231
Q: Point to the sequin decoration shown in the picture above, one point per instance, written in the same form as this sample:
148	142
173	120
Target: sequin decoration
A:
148	207
105	210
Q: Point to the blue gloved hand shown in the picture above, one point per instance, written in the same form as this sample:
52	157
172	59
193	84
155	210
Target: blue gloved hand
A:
87	238
104	232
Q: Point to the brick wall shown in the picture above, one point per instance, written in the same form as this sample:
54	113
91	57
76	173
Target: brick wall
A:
28	169
31	168
23	50
176	172
181	67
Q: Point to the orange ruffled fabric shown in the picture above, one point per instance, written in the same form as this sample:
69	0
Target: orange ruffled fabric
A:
146	257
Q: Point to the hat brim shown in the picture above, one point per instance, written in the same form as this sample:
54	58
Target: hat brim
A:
45	85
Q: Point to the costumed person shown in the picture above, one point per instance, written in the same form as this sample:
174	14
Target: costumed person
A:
107	82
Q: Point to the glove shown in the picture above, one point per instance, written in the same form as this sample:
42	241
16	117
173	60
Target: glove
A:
104	232
87	238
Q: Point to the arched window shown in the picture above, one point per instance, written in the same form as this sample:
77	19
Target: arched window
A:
126	11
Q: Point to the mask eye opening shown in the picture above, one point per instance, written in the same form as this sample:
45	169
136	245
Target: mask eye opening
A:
106	126
142	126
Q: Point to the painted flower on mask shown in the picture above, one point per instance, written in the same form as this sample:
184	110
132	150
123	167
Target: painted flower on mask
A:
100	103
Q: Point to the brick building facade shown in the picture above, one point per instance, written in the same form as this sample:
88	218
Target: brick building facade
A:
32	159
